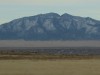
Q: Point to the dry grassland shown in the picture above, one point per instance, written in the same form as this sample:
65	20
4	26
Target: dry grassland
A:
50	67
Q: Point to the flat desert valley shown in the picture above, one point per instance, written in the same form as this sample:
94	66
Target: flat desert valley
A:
49	67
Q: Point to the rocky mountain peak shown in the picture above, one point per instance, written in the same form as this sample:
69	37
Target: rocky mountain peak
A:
51	26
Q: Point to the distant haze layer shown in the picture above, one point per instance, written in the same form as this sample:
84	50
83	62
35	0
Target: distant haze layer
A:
22	43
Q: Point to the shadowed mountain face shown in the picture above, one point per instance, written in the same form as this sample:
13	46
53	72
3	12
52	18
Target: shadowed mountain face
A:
51	26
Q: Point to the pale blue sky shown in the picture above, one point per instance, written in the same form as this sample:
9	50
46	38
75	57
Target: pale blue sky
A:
12	9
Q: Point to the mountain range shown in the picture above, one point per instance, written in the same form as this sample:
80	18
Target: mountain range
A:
51	26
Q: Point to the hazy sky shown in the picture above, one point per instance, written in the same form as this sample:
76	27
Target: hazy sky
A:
12	9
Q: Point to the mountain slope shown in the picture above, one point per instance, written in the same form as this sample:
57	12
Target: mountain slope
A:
51	26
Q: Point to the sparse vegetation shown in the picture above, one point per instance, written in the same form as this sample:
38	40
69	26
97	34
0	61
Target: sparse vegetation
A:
52	53
35	62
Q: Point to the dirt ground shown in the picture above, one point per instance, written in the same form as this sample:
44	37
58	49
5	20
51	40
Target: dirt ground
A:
50	67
